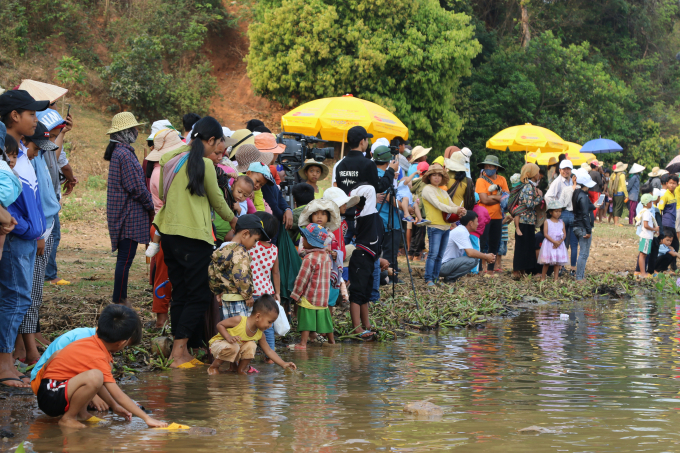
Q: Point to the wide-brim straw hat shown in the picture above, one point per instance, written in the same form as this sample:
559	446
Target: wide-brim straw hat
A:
122	121
339	197
656	172
163	142
247	154
310	163
241	137
42	91
636	168
456	162
491	160
266	143
439	171
620	166
321	205
419	152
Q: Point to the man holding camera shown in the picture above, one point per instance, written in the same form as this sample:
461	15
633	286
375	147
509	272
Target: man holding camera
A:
355	169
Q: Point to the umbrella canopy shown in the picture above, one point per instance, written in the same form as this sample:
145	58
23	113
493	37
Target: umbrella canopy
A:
576	158
527	138
333	117
601	145
42	91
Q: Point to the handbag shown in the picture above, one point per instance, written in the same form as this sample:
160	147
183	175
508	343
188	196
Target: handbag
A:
450	217
281	325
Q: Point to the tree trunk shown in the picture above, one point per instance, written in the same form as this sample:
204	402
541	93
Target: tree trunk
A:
526	31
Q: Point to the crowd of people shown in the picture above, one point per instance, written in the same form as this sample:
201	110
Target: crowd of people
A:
231	257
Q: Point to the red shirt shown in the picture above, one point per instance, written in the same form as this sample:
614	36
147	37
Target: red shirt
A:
314	279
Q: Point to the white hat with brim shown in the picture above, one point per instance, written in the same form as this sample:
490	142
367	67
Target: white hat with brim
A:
163	142
122	121
42	91
312	163
419	152
321	205
620	166
656	172
339	197
456	162
636	168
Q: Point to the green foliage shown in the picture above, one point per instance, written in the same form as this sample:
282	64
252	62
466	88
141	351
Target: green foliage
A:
96	182
407	56
654	149
70	72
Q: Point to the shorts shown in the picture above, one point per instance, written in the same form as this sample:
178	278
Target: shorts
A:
618	205
53	397
645	246
233	352
361	266
310	320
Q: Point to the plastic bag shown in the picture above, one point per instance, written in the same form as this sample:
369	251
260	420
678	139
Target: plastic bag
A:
281	325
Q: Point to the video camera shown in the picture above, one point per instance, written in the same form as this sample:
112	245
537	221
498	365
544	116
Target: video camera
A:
299	148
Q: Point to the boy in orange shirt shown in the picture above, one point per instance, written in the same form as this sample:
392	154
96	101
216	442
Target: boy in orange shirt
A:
73	376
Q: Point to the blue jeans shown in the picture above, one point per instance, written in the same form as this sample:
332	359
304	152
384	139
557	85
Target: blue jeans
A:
16	281
269	336
127	249
438	242
375	292
51	270
571	242
585	251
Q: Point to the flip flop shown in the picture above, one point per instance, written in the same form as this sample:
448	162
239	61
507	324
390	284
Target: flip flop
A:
366	334
12	379
252	369
300	348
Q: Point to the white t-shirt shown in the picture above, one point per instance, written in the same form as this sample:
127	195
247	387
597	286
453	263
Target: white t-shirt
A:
644	232
459	240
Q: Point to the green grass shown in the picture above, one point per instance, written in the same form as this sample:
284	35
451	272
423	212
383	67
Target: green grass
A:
85	204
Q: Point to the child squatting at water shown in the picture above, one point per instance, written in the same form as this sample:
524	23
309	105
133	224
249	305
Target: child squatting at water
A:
239	337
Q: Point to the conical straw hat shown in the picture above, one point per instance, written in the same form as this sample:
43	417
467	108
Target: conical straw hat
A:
122	121
42	91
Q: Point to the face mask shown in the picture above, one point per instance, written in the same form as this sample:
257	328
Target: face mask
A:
490	172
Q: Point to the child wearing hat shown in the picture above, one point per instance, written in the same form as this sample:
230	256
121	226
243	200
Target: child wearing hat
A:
311	290
313	172
647	232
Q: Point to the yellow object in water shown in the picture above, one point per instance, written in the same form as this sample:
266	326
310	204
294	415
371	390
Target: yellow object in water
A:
94	419
174	426
196	362
186	365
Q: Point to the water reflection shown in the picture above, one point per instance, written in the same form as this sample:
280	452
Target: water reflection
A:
603	380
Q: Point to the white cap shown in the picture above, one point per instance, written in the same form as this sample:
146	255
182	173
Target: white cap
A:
158	126
566	163
584	179
380	142
339	197
656	193
227	132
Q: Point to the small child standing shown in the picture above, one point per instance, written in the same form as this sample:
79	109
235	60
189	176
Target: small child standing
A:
10	187
239	337
553	252
405	199
649	228
264	264
312	286
230	274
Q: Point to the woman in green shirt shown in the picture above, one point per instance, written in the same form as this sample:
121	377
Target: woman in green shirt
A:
187	239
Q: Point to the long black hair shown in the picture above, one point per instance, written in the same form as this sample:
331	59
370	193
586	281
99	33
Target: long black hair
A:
469	194
204	129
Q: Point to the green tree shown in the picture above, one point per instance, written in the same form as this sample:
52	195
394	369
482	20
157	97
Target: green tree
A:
654	149
407	56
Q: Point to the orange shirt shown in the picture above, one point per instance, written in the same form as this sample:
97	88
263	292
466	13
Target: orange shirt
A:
483	187
82	355
275	174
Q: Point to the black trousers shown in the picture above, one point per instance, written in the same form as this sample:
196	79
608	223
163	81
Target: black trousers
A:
351	230
656	263
127	249
390	247
491	238
188	260
417	240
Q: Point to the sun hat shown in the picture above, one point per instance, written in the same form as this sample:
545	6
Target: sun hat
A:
158	126
321	205
467	153
439	171
339	197
584	179
266	143
247	154
490	159
42	91
439	161
349	248
252	222
51	119
646	198
449	151
310	163
379	142
122	121
41	138
20	99
585	166
593	161
419	152
566	163
456	162
554	204
620	166
422	168
315	234
636	168
164	141
382	154
258	167
242	137
656	171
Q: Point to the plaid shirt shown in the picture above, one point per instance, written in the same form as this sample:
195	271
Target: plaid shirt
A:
127	198
313	281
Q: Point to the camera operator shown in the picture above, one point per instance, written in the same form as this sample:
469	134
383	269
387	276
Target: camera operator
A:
355	168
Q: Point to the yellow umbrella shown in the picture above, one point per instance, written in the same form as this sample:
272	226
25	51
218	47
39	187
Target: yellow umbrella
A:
333	117
575	157
527	138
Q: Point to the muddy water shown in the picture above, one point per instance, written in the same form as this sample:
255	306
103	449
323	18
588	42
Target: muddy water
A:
606	379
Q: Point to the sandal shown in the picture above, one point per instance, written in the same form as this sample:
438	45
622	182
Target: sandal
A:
3	380
366	334
299	347
252	369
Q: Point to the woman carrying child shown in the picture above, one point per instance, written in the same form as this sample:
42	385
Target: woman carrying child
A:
529	199
553	252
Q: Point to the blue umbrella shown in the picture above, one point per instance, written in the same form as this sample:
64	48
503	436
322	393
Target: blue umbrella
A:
601	145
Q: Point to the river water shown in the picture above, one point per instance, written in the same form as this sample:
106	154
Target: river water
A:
606	379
